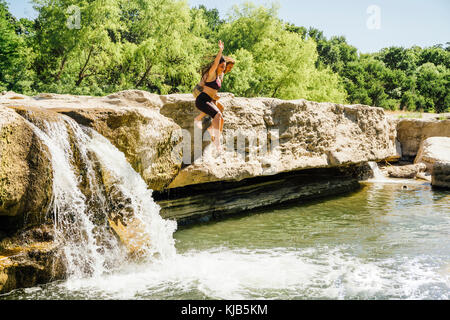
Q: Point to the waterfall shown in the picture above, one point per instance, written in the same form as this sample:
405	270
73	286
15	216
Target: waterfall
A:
133	187
97	224
377	174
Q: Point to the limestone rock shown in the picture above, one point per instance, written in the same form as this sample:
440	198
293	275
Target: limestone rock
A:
411	133
147	139
297	134
435	149
29	258
407	171
202	202
441	175
25	173
276	135
129	119
136	98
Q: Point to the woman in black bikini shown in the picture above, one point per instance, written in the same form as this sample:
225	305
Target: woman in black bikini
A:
206	102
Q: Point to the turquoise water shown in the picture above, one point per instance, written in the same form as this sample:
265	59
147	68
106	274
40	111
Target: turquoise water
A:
381	242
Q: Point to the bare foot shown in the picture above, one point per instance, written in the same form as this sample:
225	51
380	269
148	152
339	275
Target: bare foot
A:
213	138
218	145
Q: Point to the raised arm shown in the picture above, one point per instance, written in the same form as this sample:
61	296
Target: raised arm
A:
213	68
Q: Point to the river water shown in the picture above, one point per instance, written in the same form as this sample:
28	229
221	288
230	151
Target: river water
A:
386	241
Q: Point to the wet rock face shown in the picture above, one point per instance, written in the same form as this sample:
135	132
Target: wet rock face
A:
29	258
412	132
299	135
129	119
145	137
202	202
25	173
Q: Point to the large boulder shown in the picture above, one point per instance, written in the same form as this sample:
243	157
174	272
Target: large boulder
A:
299	134
411	133
25	173
441	175
434	153
432	150
407	171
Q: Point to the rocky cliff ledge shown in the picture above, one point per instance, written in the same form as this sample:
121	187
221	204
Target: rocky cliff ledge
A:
263	137
279	136
276	151
300	135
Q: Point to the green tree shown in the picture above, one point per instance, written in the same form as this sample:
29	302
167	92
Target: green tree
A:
14	54
435	55
433	83
276	62
365	82
335	53
70	53
398	58
299	30
212	17
168	44
247	25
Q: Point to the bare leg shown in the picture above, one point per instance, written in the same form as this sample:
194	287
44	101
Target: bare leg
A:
215	130
198	120
221	125
221	108
212	133
212	129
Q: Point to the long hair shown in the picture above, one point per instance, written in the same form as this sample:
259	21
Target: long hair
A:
230	62
205	68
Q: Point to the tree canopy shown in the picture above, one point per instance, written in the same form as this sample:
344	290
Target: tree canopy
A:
97	47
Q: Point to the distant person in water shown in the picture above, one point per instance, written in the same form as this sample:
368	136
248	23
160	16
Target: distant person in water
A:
207	100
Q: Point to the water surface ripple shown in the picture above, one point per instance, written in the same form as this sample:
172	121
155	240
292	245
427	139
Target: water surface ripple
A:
382	242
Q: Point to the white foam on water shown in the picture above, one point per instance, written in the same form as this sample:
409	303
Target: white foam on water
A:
272	274
378	175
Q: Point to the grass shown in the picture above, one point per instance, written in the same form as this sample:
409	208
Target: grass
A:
411	116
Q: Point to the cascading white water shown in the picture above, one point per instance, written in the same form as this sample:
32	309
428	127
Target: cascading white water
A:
133	187
377	174
73	228
81	222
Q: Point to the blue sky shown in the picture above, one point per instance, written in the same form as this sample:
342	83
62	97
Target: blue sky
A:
402	22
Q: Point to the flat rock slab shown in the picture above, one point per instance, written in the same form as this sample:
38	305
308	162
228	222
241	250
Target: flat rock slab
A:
406	172
432	150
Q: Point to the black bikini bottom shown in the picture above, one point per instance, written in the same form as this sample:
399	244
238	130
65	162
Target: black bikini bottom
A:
204	103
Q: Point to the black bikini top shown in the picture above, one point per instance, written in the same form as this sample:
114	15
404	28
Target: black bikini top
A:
216	84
